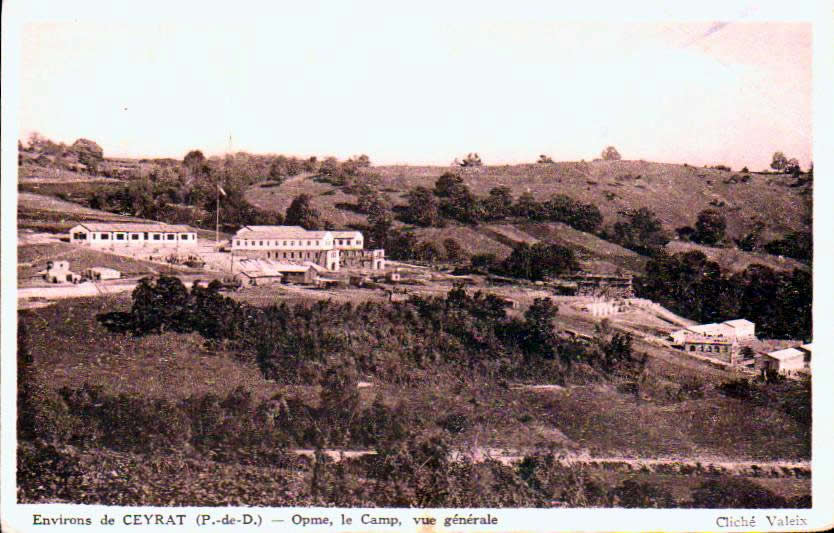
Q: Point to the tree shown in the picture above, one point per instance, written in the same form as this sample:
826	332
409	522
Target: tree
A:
779	161
160	305
370	200
301	213
339	401
527	207
278	169
484	262
642	231
538	338
544	159
498	204
462	205
710	227
89	153
792	167
562	208
472	159
454	251
448	184
611	154
193	160
539	261
428	251
422	208
329	167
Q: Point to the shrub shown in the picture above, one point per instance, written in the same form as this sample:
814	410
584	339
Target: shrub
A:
735	493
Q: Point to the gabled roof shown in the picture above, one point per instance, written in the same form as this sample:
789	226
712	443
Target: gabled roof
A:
278	232
713	329
136	227
786	354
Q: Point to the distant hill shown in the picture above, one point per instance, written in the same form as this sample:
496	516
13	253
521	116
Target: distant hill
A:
676	193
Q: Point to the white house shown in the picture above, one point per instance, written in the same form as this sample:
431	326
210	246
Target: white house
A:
133	234
787	361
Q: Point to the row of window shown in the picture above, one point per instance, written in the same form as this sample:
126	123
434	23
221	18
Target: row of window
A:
246	242
710	348
135	236
291	255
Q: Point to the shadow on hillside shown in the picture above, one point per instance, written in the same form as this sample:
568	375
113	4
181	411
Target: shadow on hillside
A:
116	321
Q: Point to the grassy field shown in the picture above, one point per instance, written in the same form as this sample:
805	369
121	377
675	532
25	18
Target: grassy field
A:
33	258
44	213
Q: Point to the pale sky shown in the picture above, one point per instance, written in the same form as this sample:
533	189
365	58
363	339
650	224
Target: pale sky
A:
422	85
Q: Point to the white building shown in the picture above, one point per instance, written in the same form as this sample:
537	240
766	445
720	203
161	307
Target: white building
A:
328	249
133	235
731	330
59	272
744	329
102	273
787	361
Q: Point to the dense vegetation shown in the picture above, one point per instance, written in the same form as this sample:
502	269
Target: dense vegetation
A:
88	445
452	199
688	283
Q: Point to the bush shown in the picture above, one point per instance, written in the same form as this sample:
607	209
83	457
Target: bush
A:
735	493
634	494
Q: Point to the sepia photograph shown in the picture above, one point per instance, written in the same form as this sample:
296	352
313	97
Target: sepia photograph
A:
360	256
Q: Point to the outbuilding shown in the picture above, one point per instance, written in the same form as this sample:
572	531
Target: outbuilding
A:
787	361
102	273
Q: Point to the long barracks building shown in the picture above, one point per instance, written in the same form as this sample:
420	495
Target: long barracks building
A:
332	250
133	235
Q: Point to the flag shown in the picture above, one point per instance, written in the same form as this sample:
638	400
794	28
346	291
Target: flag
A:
220	190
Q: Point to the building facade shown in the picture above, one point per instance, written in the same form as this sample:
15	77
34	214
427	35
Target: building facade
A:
331	250
133	235
718	347
739	330
790	361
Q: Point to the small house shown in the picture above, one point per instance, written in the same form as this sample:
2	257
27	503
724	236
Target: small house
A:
102	273
787	361
59	272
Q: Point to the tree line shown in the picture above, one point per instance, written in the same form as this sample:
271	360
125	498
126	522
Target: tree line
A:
691	285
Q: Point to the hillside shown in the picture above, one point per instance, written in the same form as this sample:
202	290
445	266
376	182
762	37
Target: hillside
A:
735	260
38	212
676	193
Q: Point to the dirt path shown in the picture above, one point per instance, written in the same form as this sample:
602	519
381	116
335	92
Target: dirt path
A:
681	465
